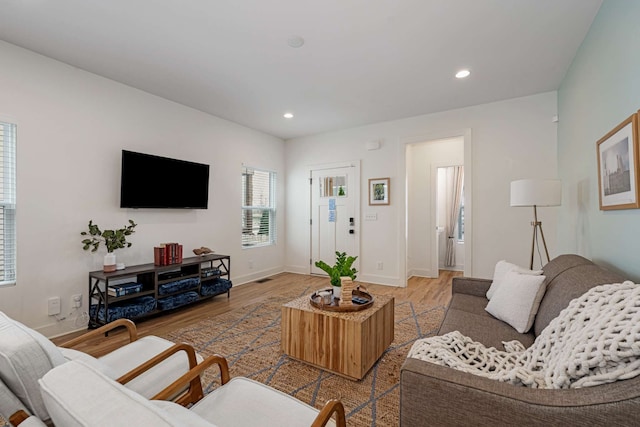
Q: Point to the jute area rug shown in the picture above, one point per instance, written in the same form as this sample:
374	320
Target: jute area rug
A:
249	338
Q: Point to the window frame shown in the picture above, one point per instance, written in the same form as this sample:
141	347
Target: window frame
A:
271	209
8	254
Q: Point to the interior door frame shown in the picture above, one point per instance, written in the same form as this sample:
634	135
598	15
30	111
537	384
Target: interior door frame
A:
358	202
468	199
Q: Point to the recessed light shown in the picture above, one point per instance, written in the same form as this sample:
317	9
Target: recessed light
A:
287	116
295	41
462	74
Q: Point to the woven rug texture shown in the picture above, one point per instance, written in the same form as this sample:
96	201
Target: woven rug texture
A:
249	338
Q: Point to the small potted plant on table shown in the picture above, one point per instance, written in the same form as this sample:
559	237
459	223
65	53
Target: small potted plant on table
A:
112	239
342	268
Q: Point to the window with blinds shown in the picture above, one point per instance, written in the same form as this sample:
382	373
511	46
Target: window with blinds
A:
258	207
7	203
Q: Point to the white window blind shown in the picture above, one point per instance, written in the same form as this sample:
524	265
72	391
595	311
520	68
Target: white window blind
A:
258	207
7	203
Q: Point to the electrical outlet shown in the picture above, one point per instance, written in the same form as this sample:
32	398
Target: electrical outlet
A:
76	300
53	306
379	265
371	217
250	264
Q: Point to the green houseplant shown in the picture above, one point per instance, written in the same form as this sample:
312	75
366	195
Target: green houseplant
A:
112	239
342	268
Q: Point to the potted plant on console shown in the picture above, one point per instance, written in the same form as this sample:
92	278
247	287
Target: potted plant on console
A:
342	268
112	239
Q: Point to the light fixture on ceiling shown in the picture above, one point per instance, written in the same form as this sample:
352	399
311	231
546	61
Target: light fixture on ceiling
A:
295	41
463	74
288	115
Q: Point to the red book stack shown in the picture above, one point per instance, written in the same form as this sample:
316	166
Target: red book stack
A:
167	254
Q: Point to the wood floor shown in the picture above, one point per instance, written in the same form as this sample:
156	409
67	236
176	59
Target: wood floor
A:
419	290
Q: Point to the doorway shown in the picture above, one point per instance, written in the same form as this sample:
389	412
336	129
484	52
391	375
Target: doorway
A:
450	219
423	159
335	192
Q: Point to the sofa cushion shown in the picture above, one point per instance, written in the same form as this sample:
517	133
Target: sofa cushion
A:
500	271
483	328
124	359
71	354
226	406
77	395
470	304
517	300
26	355
568	277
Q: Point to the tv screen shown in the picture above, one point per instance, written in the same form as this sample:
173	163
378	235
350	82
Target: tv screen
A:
149	181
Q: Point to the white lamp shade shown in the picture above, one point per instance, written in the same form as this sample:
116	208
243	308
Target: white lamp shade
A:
536	192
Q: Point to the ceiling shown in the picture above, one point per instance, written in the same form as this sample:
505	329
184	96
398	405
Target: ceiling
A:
363	61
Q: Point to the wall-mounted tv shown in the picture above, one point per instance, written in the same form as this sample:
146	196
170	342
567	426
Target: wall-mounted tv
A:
149	181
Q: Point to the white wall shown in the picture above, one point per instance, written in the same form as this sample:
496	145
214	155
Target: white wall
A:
423	160
510	140
72	126
600	90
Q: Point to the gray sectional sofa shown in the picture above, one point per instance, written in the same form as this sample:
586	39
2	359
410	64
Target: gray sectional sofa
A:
433	395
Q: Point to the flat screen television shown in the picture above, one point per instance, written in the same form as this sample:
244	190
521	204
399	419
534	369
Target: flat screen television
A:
149	181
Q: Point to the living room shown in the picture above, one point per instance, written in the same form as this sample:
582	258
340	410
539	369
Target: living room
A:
72	126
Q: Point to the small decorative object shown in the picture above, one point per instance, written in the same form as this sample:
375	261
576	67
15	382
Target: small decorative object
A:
109	263
342	268
203	250
112	239
167	254
325	297
618	174
347	291
379	191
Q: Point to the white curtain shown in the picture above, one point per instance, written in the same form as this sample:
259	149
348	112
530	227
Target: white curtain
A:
455	178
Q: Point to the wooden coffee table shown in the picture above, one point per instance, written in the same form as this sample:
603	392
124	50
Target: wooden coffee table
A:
347	344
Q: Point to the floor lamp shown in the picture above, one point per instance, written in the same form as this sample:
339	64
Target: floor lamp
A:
536	192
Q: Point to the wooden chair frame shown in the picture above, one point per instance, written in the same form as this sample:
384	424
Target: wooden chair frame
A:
195	394
18	417
187	389
126	323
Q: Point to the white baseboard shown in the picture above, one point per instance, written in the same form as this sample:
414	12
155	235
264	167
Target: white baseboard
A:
241	280
454	268
420	272
380	280
58	329
298	269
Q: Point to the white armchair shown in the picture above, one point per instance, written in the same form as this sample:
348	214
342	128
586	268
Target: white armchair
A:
26	355
78	395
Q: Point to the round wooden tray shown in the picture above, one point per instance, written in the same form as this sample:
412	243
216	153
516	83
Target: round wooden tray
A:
317	301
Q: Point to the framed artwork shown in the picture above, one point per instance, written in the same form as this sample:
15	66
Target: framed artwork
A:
379	191
618	166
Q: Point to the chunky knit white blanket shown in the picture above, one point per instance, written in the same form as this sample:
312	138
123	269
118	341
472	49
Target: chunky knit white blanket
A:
595	340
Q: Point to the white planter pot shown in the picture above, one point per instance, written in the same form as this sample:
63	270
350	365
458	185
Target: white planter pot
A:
109	262
337	291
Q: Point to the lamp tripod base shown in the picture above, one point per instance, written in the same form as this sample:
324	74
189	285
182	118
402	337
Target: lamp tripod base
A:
537	225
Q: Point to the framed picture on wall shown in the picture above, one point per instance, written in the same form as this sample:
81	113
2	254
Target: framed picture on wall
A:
379	191
618	166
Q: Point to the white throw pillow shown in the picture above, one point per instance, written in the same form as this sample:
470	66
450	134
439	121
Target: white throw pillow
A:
516	302
501	269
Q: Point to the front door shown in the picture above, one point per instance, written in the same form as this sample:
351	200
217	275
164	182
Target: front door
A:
334	225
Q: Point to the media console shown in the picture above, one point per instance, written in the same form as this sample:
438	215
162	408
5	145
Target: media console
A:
144	290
